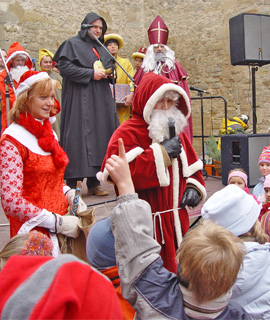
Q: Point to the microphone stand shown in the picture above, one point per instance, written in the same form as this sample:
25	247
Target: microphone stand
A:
202	125
113	68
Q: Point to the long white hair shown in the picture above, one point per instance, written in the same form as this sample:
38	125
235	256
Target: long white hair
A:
149	61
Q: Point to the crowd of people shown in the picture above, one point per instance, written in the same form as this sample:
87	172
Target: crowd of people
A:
61	125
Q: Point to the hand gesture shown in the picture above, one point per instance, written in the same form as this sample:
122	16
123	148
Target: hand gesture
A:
128	99
118	169
99	74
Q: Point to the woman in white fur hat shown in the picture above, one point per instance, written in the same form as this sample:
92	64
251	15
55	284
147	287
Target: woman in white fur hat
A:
235	210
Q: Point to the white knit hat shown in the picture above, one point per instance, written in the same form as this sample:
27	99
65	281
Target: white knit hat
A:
232	208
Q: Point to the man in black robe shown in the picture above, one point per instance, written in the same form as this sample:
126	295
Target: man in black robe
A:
88	116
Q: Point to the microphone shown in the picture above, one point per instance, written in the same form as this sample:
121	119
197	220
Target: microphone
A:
171	123
198	90
87	26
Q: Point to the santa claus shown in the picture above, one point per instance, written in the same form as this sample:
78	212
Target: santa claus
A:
165	169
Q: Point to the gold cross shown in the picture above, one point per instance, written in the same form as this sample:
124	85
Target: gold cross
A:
159	29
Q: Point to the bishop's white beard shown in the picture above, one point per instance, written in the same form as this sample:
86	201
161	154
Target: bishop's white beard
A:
159	128
149	62
17	72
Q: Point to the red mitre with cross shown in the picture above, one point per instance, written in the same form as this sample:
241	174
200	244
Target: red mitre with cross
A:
158	32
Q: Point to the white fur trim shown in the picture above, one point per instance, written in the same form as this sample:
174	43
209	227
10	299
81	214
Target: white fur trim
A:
162	172
130	155
15	53
151	102
196	166
23	86
189	170
25	138
199	186
176	182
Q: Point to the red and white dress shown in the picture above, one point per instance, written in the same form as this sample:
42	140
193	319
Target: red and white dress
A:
31	185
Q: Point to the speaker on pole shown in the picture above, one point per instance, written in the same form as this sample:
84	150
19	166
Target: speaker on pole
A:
250	39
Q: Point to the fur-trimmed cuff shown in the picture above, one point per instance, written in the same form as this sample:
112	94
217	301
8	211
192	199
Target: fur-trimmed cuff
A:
189	170
130	155
161	170
199	187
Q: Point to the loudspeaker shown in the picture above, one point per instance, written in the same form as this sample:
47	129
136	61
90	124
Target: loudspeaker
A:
250	39
242	151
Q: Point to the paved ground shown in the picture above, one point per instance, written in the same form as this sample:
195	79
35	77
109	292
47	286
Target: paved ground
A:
104	205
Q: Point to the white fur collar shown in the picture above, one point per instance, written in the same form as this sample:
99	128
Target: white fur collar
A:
25	138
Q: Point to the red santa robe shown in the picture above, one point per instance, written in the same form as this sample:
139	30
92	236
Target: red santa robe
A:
13	50
178	76
161	186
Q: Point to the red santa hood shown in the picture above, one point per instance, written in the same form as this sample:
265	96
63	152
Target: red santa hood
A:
15	49
150	90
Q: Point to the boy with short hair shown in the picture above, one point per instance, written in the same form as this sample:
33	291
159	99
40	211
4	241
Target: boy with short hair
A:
209	259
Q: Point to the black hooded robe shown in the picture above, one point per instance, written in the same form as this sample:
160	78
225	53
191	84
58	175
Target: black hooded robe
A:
88	116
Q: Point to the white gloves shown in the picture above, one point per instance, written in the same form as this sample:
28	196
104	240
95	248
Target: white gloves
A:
67	225
70	196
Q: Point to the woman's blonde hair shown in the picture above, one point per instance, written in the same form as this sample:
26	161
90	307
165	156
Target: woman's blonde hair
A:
22	103
209	260
256	234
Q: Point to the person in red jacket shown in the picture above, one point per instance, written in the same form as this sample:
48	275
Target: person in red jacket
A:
165	169
18	61
32	164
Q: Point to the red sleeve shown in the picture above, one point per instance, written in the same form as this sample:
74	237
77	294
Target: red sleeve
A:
143	170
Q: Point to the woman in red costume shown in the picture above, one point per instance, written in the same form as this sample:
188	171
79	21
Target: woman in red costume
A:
32	164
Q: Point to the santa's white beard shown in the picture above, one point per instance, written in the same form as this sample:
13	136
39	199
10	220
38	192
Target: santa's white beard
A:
17	72
159	128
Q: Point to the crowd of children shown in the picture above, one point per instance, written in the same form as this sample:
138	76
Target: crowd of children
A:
223	263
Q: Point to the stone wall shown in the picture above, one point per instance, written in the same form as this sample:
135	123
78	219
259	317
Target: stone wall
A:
199	35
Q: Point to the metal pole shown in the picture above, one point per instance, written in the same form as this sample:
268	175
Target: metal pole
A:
254	69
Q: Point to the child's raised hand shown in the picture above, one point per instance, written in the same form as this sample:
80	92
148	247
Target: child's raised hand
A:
118	169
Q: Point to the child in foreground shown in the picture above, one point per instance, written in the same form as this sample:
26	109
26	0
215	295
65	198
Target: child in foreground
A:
209	259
